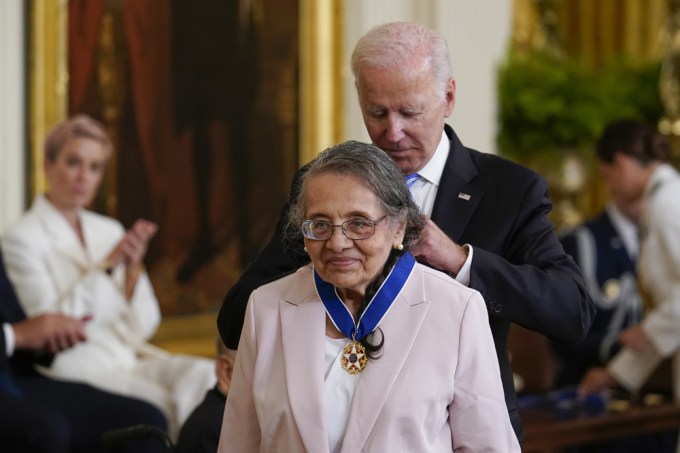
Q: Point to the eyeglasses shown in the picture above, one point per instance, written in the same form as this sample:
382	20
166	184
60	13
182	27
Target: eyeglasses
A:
320	230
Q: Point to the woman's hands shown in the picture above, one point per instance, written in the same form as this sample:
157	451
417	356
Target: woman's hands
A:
635	338
596	380
131	251
132	248
599	379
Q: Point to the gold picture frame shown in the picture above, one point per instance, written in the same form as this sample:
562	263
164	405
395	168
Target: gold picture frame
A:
48	79
321	92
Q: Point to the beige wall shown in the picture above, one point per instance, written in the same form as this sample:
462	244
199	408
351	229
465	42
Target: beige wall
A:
477	32
12	112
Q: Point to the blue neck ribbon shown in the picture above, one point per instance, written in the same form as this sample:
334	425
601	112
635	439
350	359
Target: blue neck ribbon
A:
376	309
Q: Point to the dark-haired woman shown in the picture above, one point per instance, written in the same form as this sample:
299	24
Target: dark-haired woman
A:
633	159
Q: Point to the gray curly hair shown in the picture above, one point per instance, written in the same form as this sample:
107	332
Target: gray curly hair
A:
370	165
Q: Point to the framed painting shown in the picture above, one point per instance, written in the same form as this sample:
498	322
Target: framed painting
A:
205	103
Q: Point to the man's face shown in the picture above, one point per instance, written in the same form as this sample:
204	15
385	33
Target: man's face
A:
404	111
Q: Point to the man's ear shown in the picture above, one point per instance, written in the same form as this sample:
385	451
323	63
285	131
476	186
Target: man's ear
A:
450	97
224	366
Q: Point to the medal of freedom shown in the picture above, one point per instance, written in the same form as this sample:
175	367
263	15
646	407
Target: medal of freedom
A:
353	358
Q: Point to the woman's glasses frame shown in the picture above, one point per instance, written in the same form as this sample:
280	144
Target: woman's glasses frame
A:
354	229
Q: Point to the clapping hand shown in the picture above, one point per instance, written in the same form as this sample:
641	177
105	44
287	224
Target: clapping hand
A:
49	331
132	248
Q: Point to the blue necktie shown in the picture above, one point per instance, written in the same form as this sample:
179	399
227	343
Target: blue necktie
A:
411	179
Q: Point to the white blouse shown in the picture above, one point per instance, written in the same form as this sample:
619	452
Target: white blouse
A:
338	393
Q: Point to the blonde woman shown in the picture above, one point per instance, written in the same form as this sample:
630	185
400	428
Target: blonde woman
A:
63	258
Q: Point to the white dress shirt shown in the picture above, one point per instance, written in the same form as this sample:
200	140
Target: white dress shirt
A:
424	192
339	389
9	339
626	229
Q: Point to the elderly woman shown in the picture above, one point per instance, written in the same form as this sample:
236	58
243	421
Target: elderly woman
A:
62	258
364	349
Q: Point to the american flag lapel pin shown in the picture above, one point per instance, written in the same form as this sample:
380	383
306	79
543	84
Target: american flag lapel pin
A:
464	196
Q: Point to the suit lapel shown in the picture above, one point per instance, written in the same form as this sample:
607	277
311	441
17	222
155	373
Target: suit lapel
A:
457	198
65	240
303	327
98	245
400	326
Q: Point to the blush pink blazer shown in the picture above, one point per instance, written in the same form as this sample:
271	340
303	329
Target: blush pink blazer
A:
436	388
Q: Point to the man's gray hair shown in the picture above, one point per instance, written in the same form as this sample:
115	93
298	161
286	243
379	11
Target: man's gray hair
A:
375	170
388	45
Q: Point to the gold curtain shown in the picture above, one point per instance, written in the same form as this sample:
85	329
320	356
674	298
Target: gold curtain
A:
321	57
596	29
599	29
48	79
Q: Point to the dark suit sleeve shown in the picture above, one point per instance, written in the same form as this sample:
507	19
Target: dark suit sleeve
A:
11	313
280	256
200	433
534	283
9	310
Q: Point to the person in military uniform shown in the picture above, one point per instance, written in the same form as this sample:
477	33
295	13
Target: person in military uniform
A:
606	249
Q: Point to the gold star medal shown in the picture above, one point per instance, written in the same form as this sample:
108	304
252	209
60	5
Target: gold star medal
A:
353	358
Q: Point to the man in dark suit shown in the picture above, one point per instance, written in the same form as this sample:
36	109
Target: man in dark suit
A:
39	414
495	208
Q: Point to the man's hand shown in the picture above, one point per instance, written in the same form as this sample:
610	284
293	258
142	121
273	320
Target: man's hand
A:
438	250
51	331
596	380
635	338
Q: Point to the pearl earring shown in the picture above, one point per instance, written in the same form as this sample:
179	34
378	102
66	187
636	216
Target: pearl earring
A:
306	250
400	247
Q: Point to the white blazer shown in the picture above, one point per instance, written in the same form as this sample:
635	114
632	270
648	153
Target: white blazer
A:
436	386
52	272
659	273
